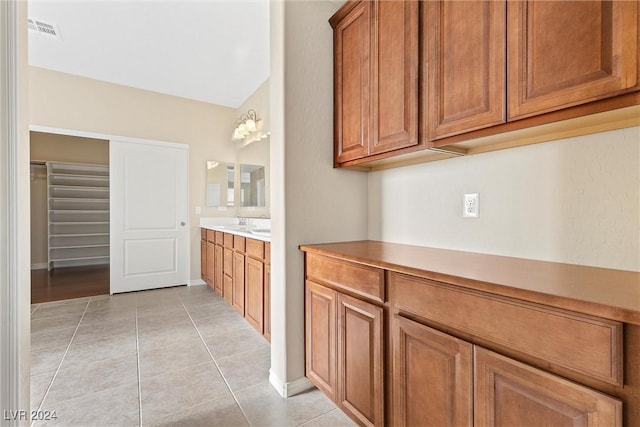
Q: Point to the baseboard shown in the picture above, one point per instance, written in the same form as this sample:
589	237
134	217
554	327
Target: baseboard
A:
40	266
197	282
291	388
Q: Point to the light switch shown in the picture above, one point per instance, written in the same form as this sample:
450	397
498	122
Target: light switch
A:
198	210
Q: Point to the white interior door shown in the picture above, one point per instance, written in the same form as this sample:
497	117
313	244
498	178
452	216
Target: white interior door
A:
149	221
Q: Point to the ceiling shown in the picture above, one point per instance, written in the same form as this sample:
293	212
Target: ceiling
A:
216	51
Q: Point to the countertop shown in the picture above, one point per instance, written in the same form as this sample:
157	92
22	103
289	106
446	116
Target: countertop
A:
608	293
230	225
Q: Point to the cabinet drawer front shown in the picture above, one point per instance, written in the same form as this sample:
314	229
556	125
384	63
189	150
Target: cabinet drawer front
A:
255	248
228	240
360	279
584	344
203	233
210	235
219	237
238	243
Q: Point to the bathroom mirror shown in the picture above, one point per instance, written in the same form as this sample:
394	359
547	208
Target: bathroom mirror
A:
220	184
252	186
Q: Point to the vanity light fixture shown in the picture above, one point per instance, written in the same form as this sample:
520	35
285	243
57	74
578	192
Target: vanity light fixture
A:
247	125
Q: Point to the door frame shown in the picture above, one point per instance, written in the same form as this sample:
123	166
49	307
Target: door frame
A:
14	216
109	137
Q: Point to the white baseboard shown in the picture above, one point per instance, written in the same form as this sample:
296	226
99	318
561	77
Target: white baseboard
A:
39	266
291	388
197	282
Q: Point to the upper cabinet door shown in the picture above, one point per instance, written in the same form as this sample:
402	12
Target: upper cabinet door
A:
394	93
351	83
464	48
565	53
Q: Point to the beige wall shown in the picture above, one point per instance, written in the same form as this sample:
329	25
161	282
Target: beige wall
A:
64	101
61	148
574	200
311	201
257	153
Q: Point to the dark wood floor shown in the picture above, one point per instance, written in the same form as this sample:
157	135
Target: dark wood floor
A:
69	282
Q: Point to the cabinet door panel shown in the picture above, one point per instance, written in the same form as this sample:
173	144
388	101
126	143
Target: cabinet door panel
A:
464	48
360	359
395	75
238	283
267	302
320	335
509	393
227	288
254	294
203	260
351	84
432	377
211	252
218	271
565	53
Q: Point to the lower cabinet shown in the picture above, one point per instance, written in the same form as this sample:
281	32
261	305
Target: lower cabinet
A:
440	380
238	268
344	351
432	377
254	294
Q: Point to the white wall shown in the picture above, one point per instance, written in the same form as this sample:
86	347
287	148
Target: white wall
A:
311	201
575	200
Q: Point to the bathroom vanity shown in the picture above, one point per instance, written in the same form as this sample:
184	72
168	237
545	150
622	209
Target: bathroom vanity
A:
235	263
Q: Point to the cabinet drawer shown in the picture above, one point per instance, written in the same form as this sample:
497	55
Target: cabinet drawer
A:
210	235
203	233
228	240
219	237
255	248
238	243
584	344
359	279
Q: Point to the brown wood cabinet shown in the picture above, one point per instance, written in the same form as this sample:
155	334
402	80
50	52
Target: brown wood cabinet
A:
267	291
375	78
464	47
344	342
432	377
565	53
509	393
254	297
203	260
445	338
210	264
238	282
410	76
360	360
218	276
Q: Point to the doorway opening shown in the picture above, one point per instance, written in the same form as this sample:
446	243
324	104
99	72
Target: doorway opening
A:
69	217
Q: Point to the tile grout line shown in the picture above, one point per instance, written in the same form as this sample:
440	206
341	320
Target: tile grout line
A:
138	365
216	364
46	393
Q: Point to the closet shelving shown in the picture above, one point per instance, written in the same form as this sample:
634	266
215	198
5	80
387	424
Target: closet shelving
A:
78	214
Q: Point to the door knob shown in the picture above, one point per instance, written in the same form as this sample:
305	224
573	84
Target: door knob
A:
182	223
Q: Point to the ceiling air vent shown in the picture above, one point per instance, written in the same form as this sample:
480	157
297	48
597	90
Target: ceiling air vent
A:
44	28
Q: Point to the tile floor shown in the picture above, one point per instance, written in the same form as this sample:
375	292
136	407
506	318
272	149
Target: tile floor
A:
170	357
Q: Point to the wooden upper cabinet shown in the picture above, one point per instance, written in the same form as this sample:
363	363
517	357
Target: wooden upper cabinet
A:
432	377
565	53
464	48
351	82
394	84
375	78
509	393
